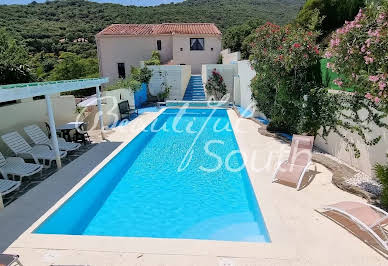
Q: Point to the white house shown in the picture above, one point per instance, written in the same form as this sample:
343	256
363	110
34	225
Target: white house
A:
121	46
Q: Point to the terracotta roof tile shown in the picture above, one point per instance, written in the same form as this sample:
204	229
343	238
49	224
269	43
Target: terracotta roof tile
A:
159	29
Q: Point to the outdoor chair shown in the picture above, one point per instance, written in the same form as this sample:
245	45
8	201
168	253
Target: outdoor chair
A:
8	260
126	111
81	134
21	148
365	221
16	166
37	136
291	171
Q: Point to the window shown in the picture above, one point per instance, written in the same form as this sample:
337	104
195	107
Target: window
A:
181	49
121	70
197	44
159	44
212	49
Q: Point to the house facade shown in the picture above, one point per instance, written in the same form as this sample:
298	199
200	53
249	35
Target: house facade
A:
121	46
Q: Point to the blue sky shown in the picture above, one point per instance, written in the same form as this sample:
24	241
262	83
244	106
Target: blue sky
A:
123	2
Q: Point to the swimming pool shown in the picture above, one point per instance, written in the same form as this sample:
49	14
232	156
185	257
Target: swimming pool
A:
164	184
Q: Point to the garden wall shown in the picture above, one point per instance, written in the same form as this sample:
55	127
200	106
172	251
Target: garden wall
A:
370	155
229	58
246	74
15	117
177	77
228	72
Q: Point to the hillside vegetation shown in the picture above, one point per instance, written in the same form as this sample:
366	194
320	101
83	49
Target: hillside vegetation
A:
53	27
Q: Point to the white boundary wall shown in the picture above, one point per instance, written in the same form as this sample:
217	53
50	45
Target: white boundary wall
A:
176	76
228	72
229	58
370	155
15	117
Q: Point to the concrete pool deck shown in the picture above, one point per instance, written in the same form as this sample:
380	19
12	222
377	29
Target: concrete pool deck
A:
299	235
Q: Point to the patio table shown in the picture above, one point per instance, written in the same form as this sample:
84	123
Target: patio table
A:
66	128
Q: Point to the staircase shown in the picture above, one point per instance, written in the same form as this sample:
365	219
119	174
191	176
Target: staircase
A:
194	90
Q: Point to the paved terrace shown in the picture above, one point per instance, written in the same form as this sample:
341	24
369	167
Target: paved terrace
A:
299	234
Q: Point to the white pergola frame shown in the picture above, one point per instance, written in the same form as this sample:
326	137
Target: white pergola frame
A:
28	90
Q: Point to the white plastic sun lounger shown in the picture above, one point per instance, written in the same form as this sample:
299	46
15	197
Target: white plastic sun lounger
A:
6	187
39	137
22	149
16	166
291	171
368	218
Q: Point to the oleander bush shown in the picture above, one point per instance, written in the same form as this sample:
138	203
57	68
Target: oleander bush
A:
358	54
286	60
215	86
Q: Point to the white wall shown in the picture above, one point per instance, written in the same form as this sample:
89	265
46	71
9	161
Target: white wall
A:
228	72
177	77
130	51
16	116
196	58
229	58
370	155
246	73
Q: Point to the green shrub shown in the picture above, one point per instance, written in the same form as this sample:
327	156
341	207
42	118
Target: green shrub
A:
286	60
154	60
382	174
138	76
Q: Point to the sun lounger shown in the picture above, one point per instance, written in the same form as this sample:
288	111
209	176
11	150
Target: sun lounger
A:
37	135
8	260
364	220
291	171
21	148
16	166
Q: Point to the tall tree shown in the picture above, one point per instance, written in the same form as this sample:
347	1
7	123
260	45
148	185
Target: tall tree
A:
235	37
334	13
72	66
13	60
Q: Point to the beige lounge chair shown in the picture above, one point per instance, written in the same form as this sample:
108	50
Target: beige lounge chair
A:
8	260
291	171
364	220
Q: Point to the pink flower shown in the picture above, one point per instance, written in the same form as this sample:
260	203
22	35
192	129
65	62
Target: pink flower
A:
363	49
334	42
374	78
330	65
368	42
328	55
381	18
382	85
368	60
338	82
368	96
377	99
297	45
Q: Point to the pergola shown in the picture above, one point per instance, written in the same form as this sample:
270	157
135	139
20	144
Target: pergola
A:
28	90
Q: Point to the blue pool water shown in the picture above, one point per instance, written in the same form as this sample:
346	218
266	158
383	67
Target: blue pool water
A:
149	190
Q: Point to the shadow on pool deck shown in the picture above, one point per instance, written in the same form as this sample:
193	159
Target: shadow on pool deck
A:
22	213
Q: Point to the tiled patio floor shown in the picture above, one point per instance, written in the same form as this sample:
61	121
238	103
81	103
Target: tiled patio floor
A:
30	182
